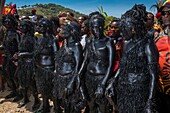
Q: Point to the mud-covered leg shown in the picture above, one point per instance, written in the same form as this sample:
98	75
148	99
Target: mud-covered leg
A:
46	106
25	99
92	106
37	101
57	105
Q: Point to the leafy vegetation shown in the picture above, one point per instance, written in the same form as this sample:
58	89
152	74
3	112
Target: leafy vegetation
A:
47	10
50	9
108	19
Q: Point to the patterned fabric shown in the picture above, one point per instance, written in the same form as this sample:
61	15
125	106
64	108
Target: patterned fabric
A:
163	45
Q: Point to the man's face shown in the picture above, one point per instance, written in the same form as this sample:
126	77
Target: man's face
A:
115	30
23	27
97	28
41	28
64	32
7	23
84	29
127	31
166	16
80	20
150	21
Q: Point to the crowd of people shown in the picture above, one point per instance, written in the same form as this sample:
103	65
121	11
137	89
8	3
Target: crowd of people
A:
82	69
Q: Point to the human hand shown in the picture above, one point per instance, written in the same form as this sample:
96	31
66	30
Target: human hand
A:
100	91
150	107
68	90
109	90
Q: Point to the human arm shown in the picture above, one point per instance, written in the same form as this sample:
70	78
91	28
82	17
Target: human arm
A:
152	58
56	46
78	56
110	88
112	55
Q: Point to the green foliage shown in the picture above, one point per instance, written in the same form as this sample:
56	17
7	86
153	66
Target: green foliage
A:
108	19
47	10
102	11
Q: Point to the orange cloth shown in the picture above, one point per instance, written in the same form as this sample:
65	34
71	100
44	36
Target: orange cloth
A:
163	45
61	43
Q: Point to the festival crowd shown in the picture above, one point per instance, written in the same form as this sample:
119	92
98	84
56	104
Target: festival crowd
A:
83	66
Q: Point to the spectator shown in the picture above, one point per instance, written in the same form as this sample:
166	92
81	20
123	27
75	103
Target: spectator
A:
163	45
150	22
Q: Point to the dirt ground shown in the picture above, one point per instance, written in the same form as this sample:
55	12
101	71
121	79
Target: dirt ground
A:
8	106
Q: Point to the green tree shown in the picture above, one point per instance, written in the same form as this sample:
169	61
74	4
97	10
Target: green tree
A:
108	19
25	6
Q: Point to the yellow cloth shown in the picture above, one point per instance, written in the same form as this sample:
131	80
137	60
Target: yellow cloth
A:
38	35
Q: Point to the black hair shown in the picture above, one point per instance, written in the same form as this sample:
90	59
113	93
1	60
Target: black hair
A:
30	26
47	23
12	19
151	14
135	17
55	20
96	15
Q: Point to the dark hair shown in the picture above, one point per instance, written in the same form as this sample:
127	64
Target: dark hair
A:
12	18
96	15
151	14
30	26
55	20
135	17
71	13
86	22
33	11
16	16
39	17
76	30
47	23
115	19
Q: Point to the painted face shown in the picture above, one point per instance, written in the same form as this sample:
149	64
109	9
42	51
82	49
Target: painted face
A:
7	23
127	29
97	28
23	27
115	29
65	32
42	28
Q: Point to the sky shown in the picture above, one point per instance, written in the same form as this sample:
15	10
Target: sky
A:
111	7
